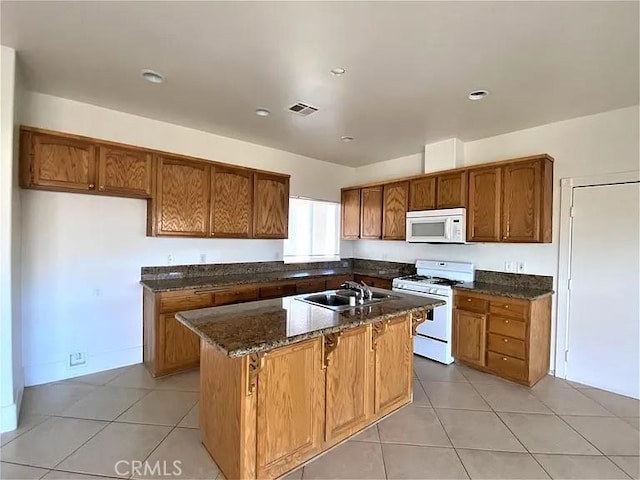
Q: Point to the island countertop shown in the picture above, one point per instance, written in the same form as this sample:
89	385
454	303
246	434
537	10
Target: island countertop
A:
260	326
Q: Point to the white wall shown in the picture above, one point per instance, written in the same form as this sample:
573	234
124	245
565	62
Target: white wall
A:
82	253
604	143
11	381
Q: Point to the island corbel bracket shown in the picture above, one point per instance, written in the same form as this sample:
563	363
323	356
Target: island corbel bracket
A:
416	319
378	329
255	362
331	342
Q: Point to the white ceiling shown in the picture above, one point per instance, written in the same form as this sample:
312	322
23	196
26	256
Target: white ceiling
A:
410	66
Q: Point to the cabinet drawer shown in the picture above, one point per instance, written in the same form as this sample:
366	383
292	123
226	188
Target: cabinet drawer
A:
472	304
310	286
506	345
185	300
507	366
236	296
510	307
507	326
277	291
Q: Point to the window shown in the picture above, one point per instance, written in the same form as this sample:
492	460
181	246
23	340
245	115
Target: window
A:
314	231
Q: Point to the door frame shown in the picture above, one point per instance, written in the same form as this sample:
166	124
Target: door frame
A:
567	186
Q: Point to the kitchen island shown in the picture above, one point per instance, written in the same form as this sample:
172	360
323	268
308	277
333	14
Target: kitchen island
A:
283	380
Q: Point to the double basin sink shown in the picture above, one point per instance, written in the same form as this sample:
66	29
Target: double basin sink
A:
340	300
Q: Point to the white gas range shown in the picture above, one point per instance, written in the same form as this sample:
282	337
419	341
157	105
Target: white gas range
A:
434	279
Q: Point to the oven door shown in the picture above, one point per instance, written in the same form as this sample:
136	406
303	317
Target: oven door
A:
429	229
440	327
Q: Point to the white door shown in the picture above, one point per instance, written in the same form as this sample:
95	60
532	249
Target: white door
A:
603	327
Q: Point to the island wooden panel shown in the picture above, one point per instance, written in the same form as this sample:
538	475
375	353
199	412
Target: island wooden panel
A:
231	202
290	407
349	402
271	206
422	194
510	337
123	171
393	364
394	211
57	163
265	414
350	206
485	205
452	190
182	198
371	213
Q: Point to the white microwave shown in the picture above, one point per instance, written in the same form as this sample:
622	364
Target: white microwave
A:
437	226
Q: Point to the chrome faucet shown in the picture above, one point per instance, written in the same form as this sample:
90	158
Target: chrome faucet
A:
362	290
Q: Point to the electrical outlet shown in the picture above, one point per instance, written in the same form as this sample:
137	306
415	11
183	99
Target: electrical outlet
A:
77	359
520	266
97	292
509	266
169	259
203	258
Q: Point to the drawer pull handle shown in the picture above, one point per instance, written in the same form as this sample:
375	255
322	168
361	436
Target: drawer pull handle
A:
504	358
505	340
506	321
506	306
468	299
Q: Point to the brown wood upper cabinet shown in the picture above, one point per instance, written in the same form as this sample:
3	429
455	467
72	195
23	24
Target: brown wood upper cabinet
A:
394	211
485	205
350	202
181	204
55	162
371	213
231	202
271	206
422	193
527	201
71	163
452	190
123	171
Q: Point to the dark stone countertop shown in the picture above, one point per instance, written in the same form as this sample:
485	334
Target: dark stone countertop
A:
212	281
260	326
513	291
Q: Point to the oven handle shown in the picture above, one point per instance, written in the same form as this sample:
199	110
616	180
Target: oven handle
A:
422	294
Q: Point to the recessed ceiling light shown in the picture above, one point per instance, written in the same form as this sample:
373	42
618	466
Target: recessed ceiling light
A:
262	112
346	138
478	94
337	71
151	76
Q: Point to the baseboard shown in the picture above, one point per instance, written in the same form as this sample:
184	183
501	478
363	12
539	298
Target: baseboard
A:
9	414
53	372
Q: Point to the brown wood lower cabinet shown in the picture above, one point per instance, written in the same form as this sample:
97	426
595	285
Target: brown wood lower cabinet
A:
373	281
508	337
170	347
265	414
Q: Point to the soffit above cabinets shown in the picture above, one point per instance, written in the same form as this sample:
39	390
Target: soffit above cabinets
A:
409	66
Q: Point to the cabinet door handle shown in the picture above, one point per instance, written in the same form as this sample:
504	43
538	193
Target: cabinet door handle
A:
92	186
504	358
468	299
506	340
506	321
506	306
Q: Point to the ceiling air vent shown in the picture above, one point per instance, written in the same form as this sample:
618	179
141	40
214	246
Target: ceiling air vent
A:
302	109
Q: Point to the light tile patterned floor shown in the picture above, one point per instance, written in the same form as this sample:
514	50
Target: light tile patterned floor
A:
462	424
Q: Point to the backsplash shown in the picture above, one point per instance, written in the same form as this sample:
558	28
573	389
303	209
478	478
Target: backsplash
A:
543	282
213	269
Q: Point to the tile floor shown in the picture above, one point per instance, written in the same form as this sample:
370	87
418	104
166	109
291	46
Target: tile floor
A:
462	424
